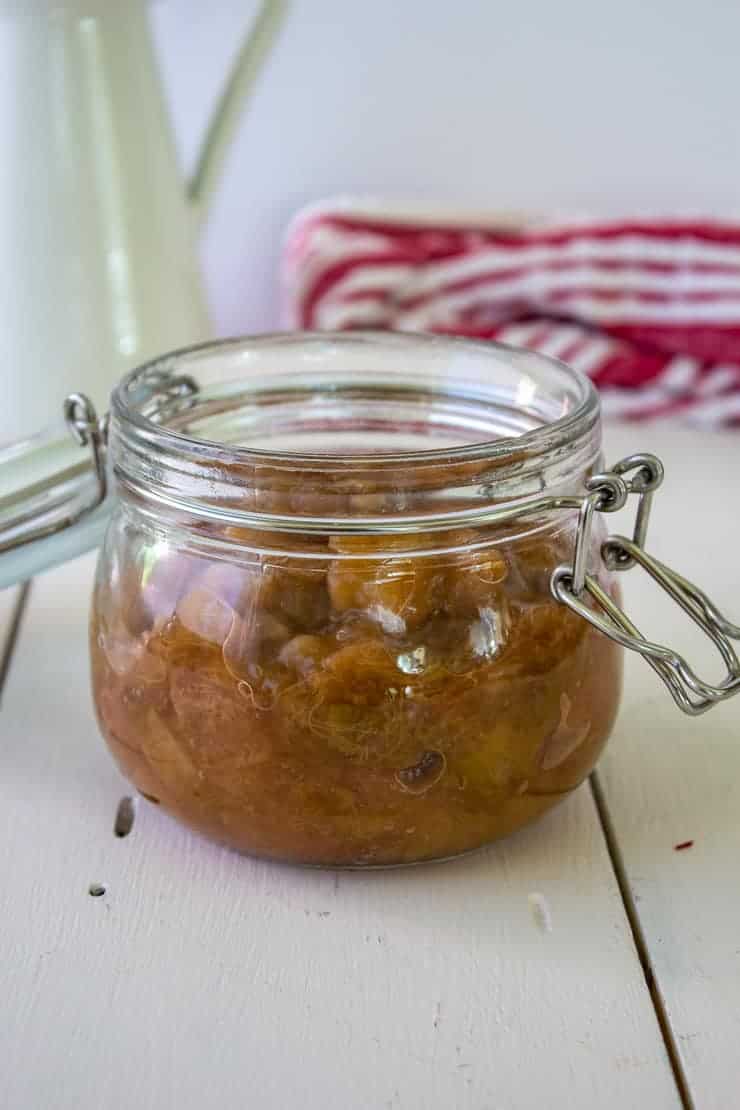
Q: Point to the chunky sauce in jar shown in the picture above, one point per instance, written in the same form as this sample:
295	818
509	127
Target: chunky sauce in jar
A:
367	704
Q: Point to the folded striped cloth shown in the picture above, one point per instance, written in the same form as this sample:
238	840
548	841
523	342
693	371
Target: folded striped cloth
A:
649	309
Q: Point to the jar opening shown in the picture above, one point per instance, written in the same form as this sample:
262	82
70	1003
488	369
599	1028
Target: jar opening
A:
327	428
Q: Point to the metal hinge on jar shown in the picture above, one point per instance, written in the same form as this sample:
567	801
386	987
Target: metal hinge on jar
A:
51	492
51	502
573	586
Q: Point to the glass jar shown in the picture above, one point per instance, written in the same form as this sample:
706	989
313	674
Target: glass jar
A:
351	604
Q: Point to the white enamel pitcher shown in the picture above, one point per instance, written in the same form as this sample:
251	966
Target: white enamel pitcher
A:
97	234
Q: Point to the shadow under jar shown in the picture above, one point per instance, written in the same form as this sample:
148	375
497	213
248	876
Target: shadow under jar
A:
323	628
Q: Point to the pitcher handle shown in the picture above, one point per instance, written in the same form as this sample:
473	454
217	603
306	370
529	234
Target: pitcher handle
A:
222	126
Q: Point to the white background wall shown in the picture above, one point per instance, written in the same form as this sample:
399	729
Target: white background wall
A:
530	104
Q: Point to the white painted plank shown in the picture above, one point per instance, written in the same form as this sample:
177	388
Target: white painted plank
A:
668	779
203	979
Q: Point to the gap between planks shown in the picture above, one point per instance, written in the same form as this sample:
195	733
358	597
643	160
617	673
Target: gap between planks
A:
10	637
641	946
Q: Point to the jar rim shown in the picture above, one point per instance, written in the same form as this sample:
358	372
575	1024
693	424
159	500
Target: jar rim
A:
131	400
443	387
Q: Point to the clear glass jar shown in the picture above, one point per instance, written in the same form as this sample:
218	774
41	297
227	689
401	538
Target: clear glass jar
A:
356	603
309	640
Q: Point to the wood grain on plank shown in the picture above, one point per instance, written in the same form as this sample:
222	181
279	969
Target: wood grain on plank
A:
203	979
671	782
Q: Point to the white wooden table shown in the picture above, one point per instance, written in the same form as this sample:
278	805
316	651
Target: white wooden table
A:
584	962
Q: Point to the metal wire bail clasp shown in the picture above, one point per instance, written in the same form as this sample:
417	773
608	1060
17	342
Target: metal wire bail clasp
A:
45	491
89	431
574	586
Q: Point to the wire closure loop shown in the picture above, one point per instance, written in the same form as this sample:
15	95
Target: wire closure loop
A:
608	493
647	478
88	431
47	505
574	586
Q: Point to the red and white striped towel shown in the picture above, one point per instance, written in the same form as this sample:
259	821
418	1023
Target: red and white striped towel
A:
649	309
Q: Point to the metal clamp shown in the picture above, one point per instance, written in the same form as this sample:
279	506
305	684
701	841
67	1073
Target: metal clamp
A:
607	494
85	427
46	506
39	508
647	479
570	583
